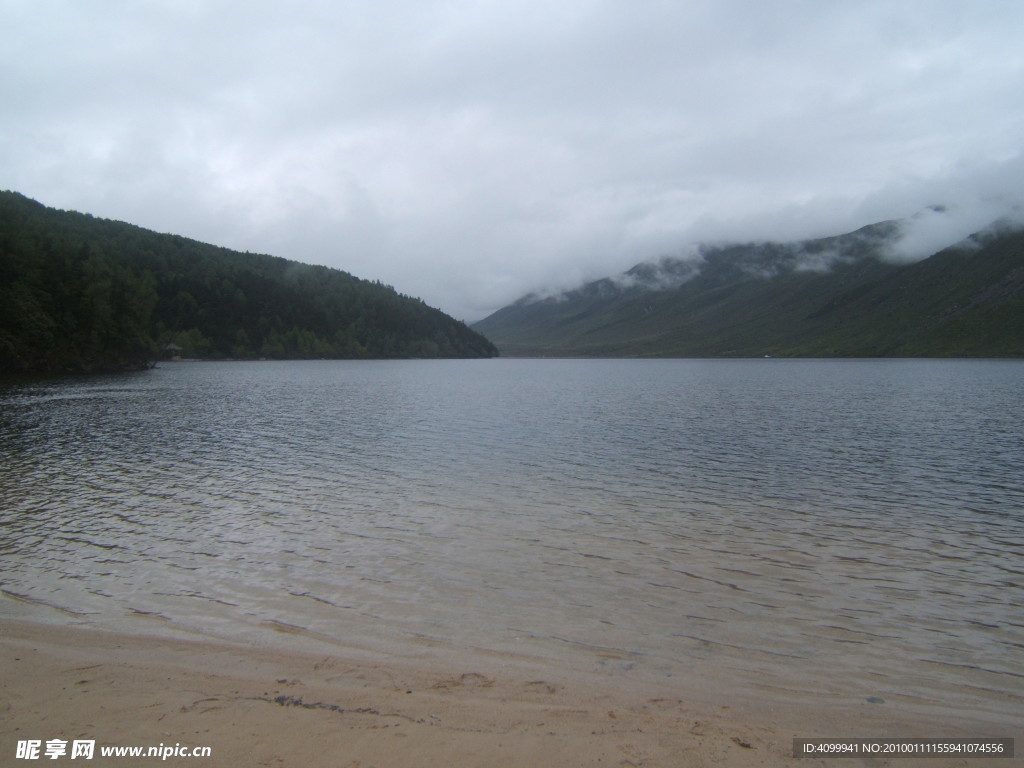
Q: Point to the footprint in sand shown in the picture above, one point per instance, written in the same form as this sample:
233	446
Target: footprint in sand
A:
470	679
540	686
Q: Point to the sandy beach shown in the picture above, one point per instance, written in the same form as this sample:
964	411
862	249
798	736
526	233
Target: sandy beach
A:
268	707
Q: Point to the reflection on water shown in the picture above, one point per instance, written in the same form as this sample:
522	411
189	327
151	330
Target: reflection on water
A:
843	528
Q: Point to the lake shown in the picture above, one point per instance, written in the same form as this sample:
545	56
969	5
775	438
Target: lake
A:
836	530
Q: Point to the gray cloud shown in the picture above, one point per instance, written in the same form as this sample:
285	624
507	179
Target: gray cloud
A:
469	152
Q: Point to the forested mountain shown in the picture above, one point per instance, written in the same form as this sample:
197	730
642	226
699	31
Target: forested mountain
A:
831	297
78	293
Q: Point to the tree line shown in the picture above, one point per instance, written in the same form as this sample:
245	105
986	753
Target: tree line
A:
79	293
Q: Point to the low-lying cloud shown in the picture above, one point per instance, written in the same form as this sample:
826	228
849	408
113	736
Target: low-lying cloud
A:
900	241
469	152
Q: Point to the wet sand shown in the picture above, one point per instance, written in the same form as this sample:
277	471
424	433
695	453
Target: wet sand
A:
275	707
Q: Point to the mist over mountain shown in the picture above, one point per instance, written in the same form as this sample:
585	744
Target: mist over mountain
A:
872	292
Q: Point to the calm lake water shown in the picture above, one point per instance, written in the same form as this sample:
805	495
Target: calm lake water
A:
839	529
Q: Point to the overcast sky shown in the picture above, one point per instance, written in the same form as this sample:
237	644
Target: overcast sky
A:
469	152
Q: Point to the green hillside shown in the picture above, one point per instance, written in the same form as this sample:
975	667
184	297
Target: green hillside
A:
834	297
78	293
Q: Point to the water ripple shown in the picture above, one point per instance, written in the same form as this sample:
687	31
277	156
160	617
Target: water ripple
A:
798	525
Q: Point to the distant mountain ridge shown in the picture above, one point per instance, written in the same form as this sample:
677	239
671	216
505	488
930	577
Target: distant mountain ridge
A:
79	293
840	296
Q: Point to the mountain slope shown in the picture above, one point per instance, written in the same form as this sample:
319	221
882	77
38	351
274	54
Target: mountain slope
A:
829	297
79	293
